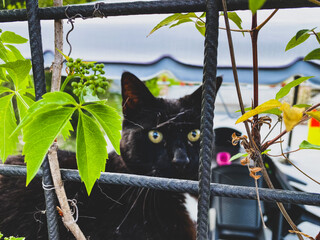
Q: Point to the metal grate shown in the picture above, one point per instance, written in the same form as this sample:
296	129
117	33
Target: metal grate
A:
33	15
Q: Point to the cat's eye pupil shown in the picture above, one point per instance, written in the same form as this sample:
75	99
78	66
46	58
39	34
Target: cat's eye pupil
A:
155	136
194	135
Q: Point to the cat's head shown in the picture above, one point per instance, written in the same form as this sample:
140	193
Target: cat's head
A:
160	137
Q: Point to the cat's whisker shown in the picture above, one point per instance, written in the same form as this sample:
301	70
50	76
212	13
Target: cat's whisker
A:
136	124
122	195
155	208
132	206
144	205
104	194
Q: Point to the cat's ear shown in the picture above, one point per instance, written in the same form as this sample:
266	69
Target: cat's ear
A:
196	95
134	93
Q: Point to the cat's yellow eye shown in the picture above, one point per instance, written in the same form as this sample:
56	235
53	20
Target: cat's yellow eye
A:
155	136
194	135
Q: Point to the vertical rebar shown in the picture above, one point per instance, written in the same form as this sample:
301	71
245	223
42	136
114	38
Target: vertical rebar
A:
207	108
40	89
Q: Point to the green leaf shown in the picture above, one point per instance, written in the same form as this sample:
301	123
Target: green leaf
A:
91	150
181	21
3	75
4	89
52	100
260	109
234	17
165	22
62	98
24	102
201	27
7	125
66	131
302	105
40	133
3	52
295	42
15	52
203	15
274	111
306	145
255	5
11	37
286	89
64	55
313	55
302	32
109	120
238	155
266	151
18	71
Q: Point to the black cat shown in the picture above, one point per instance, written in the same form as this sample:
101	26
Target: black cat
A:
159	138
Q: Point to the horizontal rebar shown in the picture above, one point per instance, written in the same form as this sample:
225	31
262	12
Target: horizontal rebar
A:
177	185
137	8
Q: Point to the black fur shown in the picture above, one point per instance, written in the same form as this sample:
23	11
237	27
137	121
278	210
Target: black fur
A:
118	212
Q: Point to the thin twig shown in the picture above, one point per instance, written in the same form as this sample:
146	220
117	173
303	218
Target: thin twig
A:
259	203
283	154
271	130
267	20
300	169
279	204
279	155
317	37
236	30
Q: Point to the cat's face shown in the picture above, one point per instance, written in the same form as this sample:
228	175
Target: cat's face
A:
160	137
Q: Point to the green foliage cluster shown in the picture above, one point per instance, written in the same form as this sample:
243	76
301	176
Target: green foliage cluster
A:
11	238
199	21
85	82
43	121
300	37
15	89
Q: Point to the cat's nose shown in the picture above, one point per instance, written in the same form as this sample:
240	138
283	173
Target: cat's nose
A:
180	158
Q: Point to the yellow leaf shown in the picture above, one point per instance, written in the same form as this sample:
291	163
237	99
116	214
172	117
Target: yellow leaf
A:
315	115
261	108
291	115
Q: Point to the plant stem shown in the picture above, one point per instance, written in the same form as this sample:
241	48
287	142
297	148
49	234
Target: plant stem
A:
58	58
234	66
279	204
254	42
67	217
